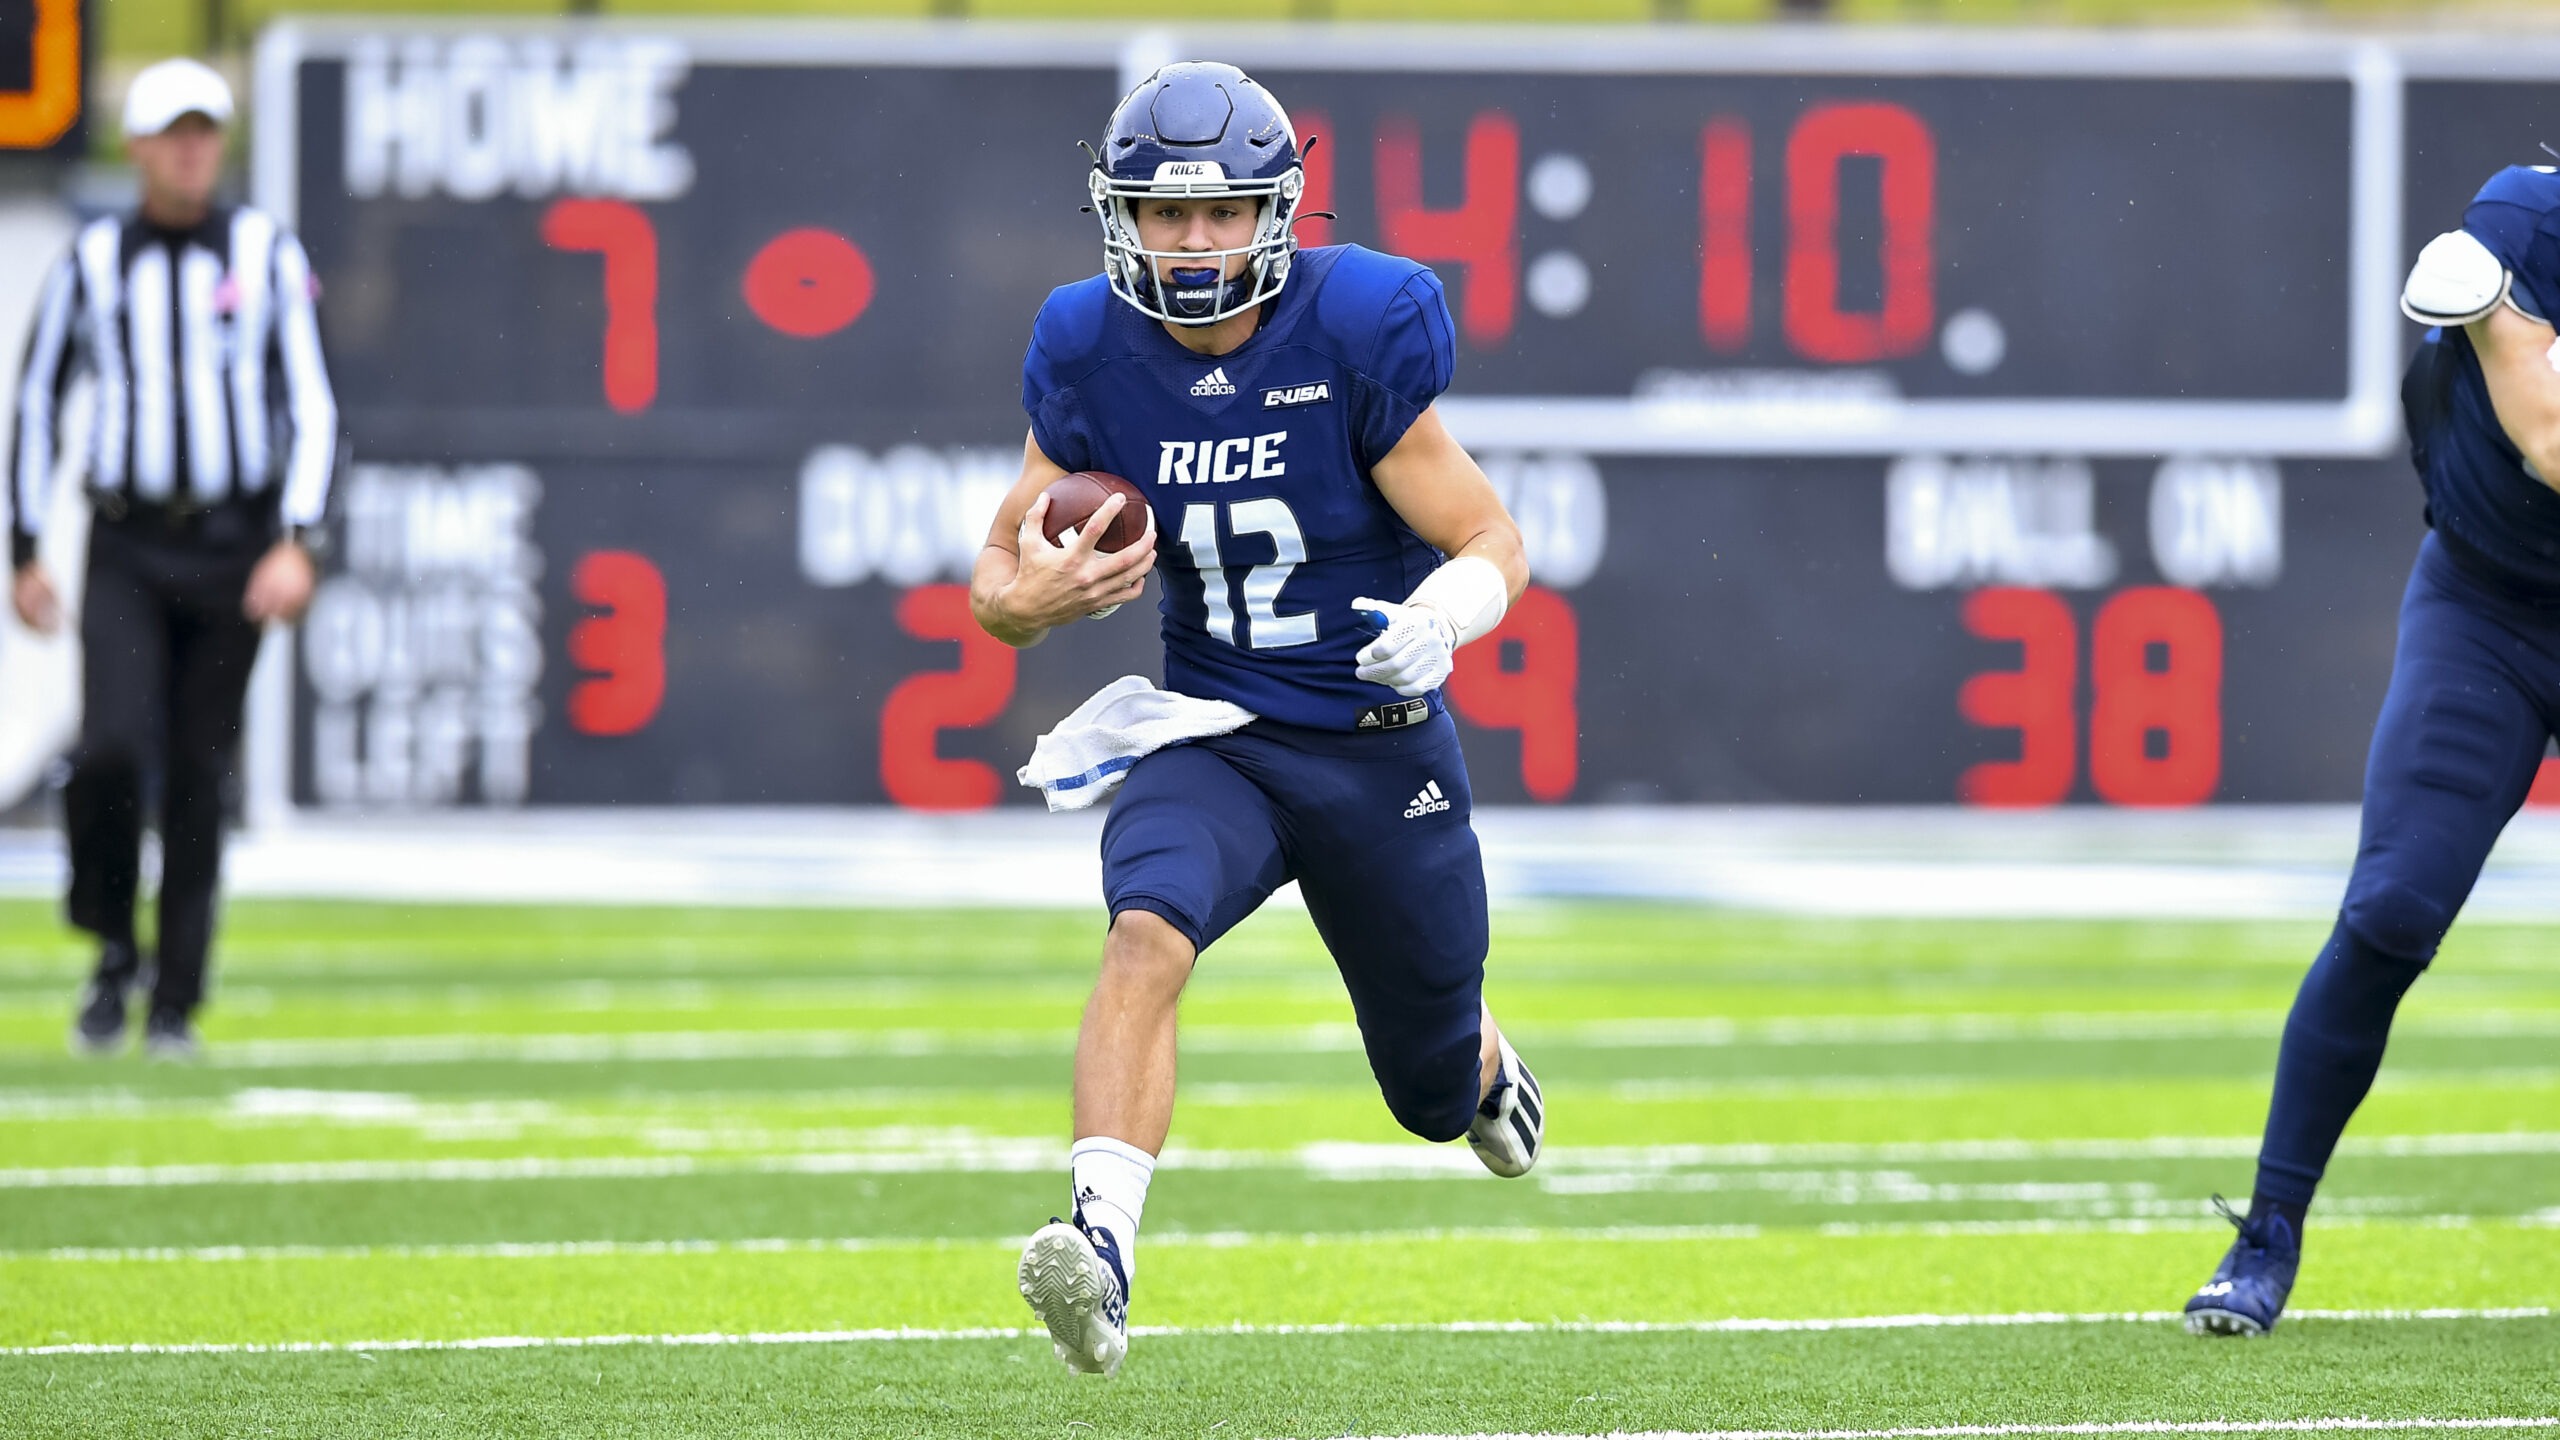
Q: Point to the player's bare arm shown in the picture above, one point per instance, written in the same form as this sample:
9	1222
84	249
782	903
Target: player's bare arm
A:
1024	586
2524	384
1436	487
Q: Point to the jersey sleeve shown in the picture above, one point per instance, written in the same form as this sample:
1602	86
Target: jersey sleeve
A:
1409	361
43	380
1049	396
2517	215
311	404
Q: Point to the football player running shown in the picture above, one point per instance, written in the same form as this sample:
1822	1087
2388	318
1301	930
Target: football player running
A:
2474	698
1326	547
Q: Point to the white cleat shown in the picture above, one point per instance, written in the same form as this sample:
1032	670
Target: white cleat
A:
1511	1124
1073	1282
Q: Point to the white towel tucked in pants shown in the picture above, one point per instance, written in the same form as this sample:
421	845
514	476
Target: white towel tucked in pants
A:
1084	759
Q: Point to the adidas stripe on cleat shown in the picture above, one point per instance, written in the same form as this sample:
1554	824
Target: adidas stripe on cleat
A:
1072	1279
1511	1123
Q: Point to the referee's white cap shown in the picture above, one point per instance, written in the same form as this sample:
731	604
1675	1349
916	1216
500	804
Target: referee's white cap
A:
163	92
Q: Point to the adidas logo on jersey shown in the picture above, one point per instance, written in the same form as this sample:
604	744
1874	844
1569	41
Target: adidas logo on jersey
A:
1429	802
1213	383
1287	395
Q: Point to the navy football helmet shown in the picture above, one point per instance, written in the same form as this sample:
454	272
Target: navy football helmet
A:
1195	130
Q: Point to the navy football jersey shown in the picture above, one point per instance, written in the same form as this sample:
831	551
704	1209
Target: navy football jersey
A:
1256	464
2479	493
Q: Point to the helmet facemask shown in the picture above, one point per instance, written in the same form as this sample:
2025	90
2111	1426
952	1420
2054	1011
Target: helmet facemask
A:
1132	268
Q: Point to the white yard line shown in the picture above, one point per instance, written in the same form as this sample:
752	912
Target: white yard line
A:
911	1152
1200	1239
2116	1427
669	1045
1736	1325
996	1156
1779	1032
263	1104
1203	1239
1702	1032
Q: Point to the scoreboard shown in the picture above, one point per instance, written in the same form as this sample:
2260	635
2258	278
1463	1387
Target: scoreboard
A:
1983	419
44	52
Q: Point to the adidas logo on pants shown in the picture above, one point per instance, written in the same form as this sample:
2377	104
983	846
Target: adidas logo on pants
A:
1428	802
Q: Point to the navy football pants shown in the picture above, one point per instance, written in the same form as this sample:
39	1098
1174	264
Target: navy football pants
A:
2475	691
1374	828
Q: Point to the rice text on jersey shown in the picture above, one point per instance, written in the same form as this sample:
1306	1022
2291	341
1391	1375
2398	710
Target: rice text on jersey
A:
1220	462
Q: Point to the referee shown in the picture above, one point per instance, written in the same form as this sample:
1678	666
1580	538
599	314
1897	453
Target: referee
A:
207	467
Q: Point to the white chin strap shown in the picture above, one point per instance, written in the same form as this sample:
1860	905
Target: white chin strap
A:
1469	592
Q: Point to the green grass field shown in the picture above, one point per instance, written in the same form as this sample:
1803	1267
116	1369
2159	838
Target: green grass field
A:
569	1172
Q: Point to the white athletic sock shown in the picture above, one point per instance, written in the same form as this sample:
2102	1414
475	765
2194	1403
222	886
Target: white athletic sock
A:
1110	1178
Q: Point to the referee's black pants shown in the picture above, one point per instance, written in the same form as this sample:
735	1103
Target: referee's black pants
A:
166	660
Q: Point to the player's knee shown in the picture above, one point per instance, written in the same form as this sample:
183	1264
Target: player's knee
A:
1145	952
109	764
1433	1095
2402	920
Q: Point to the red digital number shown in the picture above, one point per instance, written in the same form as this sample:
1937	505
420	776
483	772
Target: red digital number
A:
2132	700
629	243
1816	325
2035	699
808	282
1478	234
624	649
1724	231
1312	229
2546	785
2180	701
1534	696
923	706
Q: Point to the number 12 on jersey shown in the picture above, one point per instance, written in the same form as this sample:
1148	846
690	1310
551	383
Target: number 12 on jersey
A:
1265	627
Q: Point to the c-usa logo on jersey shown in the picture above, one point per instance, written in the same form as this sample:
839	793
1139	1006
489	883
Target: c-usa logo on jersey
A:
1284	396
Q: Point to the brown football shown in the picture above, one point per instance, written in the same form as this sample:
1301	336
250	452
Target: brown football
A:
1073	499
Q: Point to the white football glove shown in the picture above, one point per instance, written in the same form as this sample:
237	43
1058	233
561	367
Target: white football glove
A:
1412	654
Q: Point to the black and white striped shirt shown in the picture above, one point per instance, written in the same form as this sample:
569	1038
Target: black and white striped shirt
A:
206	347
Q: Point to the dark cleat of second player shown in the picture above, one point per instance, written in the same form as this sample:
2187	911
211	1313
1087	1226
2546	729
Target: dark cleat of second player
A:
2248	1289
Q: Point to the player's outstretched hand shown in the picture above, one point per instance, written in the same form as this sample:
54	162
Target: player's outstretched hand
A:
1054	583
1412	654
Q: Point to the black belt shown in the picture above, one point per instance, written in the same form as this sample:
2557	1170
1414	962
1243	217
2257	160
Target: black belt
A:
184	516
1392	717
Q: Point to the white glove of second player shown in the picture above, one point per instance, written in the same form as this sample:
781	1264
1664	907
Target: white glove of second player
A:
1413	654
